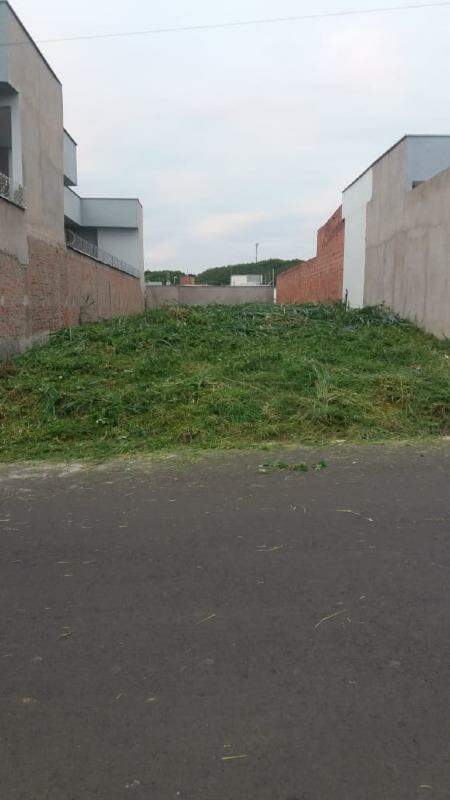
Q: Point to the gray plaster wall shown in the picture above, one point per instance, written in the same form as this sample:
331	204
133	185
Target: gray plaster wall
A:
158	296
408	245
111	212
73	206
41	129
4	26
13	239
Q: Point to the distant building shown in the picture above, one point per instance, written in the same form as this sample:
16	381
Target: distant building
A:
187	280
246	280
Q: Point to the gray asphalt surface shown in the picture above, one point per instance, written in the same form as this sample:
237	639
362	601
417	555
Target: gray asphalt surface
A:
189	631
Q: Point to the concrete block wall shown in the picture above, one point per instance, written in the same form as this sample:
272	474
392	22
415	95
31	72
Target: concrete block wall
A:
319	280
158	296
408	248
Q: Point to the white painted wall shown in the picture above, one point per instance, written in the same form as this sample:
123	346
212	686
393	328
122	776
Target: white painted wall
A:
72	206
111	212
70	161
122	243
126	239
119	224
354	211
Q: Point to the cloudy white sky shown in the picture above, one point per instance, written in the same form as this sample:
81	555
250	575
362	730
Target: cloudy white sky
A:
241	135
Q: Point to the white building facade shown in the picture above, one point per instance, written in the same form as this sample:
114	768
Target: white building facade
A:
60	254
397	233
110	229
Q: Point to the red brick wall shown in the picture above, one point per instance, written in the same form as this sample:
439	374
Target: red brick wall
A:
14	311
94	291
58	288
321	279
44	287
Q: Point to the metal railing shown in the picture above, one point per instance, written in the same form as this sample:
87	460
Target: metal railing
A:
11	190
81	245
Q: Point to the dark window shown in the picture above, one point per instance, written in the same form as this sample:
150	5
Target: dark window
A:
5	139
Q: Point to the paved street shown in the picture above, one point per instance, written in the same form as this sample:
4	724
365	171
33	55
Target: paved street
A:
182	631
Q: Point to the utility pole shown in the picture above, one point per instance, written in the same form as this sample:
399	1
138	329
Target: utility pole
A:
257	248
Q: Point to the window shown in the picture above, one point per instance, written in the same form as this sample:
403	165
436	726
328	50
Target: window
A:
5	141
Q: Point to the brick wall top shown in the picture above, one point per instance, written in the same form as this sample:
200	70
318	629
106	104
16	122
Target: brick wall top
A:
319	280
331	228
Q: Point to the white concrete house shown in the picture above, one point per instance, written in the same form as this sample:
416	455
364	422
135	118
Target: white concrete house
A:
110	229
397	232
64	260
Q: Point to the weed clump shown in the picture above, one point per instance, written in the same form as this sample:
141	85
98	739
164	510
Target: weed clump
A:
224	377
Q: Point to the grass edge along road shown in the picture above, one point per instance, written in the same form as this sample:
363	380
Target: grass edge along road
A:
224	377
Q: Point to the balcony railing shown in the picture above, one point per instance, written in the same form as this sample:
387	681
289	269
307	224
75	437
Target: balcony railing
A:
11	190
81	245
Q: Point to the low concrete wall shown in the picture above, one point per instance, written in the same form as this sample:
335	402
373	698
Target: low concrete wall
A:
408	250
158	296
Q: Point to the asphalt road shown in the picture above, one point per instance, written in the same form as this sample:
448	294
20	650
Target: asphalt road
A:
188	631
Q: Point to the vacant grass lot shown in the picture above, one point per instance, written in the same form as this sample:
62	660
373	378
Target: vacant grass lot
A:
223	377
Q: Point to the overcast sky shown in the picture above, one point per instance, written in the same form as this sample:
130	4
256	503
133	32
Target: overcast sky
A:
242	135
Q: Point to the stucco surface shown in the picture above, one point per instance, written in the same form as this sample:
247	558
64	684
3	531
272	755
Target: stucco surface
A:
13	240
408	247
41	131
157	296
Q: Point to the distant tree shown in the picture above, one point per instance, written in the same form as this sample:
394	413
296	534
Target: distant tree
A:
168	277
221	276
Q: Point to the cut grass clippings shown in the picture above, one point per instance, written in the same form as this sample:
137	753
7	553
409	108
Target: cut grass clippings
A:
224	377
269	467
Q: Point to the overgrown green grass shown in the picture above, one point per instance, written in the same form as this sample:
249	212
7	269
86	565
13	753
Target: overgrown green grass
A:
223	377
